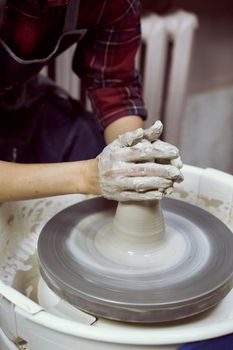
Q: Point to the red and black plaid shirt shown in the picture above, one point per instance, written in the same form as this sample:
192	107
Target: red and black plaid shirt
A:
104	59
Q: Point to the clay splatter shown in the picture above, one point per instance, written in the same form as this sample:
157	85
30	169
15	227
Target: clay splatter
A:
182	193
210	202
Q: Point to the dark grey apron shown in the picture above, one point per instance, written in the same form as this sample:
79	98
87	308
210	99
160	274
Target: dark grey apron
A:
39	122
15	71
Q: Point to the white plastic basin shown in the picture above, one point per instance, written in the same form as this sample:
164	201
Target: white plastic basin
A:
24	321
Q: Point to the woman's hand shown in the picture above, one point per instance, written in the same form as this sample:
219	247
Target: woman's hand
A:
138	166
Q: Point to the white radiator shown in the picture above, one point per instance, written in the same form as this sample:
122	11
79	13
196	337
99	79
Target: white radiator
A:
164	62
168	45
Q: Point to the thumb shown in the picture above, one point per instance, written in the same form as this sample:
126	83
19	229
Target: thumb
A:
131	138
154	132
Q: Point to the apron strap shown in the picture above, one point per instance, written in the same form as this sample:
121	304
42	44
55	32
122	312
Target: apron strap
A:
71	17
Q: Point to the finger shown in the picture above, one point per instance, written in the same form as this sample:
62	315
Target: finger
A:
154	132
150	195
141	184
131	138
168	190
146	151
164	150
180	178
142	151
145	169
177	162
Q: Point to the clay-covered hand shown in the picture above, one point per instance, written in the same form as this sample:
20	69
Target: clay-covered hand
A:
139	166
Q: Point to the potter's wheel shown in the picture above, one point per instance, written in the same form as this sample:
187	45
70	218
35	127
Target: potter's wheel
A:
156	279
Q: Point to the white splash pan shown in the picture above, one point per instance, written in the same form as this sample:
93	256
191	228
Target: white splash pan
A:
54	325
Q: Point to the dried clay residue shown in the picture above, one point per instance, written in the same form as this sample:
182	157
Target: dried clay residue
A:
10	219
210	202
182	193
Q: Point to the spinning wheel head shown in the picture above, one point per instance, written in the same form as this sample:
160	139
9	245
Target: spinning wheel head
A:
169	272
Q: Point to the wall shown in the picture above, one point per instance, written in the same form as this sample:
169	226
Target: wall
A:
207	138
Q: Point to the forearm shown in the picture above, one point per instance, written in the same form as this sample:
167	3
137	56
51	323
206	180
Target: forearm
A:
25	181
121	126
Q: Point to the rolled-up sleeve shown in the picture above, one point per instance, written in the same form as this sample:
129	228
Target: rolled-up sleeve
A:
105	62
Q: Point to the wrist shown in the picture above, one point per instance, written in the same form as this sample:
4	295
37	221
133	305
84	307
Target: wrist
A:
90	176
